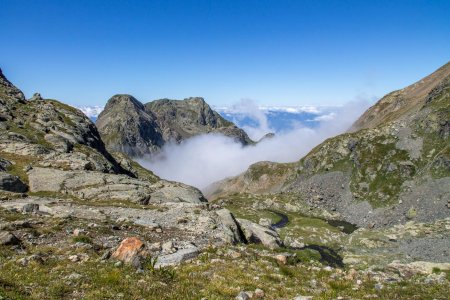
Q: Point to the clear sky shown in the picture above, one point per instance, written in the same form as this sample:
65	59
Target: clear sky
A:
275	52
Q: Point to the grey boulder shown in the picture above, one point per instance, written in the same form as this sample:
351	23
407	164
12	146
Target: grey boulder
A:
255	233
12	183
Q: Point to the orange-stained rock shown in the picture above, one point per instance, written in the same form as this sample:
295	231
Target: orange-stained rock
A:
130	250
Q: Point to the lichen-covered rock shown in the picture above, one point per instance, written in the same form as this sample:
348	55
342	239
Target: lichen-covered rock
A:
229	222
417	267
181	255
255	233
94	185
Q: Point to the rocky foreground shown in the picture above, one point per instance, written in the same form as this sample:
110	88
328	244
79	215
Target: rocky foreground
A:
80	222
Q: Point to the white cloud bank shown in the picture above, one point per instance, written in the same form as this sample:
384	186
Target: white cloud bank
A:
204	159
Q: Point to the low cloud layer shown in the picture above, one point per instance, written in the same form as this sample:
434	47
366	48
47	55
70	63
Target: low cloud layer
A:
205	159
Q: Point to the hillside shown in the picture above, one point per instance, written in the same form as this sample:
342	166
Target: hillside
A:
128	126
53	163
392	168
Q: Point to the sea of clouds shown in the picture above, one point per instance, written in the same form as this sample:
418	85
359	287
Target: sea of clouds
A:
204	159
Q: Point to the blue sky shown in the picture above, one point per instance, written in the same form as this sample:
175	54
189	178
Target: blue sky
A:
275	52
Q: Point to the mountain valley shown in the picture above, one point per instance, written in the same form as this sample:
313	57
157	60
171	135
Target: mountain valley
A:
365	214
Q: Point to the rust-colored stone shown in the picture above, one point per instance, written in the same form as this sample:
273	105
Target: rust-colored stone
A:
130	249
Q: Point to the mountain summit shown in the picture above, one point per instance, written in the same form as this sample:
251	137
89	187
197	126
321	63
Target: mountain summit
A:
128	126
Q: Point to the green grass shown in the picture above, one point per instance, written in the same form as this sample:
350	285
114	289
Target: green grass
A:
212	280
82	239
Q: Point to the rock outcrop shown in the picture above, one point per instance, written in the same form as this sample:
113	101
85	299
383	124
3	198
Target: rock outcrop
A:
394	165
255	233
128	126
55	148
101	186
51	152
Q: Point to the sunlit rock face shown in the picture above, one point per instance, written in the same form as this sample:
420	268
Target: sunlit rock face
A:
128	126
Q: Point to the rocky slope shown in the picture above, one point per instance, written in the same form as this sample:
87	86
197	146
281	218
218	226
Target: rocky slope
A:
52	153
128	126
392	168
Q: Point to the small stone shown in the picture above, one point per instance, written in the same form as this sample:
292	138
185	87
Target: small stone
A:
411	214
155	246
23	261
265	222
259	293
118	264
74	258
351	274
106	255
74	276
30	208
77	232
378	286
234	254
297	244
182	220
36	258
242	296
168	247
281	258
392	237
303	298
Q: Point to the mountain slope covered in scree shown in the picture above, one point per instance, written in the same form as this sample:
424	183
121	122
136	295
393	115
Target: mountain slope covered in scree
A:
393	166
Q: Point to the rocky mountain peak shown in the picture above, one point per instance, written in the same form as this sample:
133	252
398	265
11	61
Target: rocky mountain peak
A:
8	92
150	126
124	100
